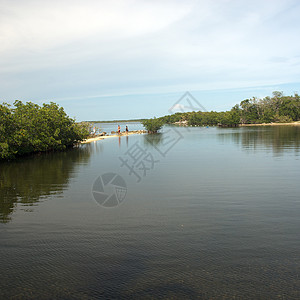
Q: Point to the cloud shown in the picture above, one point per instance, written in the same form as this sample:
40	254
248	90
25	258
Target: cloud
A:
40	25
76	49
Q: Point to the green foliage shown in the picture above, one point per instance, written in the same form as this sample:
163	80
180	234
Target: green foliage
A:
170	119
203	118
282	119
29	128
230	118
278	108
153	125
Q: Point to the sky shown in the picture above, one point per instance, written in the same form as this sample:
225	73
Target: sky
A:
108	60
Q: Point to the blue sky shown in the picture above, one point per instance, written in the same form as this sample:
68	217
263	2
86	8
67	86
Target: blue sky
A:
105	60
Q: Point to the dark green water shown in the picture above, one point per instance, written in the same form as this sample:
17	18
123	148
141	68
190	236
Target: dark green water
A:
216	216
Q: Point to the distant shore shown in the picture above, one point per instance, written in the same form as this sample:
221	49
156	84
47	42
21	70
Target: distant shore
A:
272	124
116	121
102	137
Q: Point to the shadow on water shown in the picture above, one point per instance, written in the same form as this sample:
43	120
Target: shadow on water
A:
30	179
275	138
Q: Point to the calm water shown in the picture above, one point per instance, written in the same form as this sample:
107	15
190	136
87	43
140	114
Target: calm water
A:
109	127
215	215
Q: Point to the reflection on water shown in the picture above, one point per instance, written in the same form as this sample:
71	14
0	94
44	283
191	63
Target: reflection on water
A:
29	180
152	139
216	218
278	139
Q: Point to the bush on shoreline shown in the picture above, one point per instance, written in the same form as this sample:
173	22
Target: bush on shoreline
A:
28	128
153	125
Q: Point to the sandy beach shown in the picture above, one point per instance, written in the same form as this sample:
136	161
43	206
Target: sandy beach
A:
98	138
273	124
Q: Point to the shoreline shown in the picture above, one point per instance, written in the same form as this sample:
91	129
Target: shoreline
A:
98	138
297	123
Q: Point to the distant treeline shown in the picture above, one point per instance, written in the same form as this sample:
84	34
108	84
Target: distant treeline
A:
117	121
278	108
28	128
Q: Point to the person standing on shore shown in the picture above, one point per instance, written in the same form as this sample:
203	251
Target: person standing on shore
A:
126	129
119	129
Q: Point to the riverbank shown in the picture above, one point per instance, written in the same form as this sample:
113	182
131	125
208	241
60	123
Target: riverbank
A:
272	124
102	137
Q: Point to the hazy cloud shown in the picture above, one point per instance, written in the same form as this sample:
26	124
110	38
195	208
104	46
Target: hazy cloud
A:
76	49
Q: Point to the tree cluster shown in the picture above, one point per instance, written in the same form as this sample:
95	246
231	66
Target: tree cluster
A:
153	125
278	108
28	128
